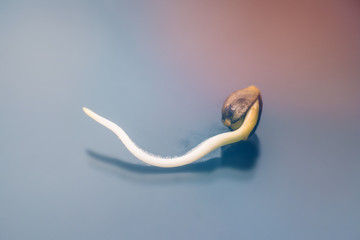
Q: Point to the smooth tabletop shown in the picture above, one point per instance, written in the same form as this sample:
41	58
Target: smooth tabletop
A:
161	70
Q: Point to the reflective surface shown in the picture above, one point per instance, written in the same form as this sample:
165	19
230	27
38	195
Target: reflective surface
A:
162	71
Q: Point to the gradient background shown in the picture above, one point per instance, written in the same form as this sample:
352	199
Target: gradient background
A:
161	70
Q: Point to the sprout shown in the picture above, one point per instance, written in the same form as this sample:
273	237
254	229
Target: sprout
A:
241	112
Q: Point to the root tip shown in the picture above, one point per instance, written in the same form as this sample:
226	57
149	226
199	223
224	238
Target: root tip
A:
87	111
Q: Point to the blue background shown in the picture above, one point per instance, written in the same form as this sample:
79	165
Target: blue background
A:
161	71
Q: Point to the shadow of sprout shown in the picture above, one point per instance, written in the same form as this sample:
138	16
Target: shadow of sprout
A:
240	156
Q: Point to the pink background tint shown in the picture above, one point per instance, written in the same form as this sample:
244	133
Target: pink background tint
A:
303	55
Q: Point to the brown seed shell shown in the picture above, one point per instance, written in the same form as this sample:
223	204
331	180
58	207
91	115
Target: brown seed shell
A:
237	105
